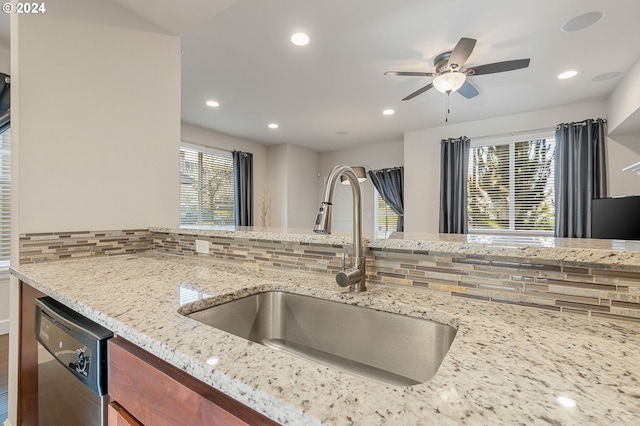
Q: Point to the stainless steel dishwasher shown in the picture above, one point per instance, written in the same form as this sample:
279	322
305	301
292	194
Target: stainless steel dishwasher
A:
72	379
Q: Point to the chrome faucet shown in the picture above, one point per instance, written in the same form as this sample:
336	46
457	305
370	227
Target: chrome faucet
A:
354	277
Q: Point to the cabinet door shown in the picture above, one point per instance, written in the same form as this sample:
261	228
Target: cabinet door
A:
157	393
118	416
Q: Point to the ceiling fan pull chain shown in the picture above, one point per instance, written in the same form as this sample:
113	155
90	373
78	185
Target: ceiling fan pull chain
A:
446	116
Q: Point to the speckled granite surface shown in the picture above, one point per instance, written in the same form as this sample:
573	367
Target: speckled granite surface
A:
623	254
507	365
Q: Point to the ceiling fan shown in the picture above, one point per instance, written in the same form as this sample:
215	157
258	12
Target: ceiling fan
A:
450	76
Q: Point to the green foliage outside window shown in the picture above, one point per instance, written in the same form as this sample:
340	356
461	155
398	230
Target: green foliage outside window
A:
206	189
510	187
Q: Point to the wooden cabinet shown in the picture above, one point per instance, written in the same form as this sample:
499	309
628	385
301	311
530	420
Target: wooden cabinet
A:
147	390
118	416
144	389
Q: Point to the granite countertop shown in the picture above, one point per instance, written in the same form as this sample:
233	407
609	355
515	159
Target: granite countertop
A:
625	255
507	364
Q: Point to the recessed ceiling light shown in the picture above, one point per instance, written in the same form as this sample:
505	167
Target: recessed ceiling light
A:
388	112
300	39
607	76
581	22
213	104
567	74
273	126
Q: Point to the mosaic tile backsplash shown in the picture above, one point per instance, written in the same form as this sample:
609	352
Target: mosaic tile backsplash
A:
49	246
584	289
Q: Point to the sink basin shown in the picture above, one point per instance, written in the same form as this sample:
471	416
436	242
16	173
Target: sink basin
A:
382	346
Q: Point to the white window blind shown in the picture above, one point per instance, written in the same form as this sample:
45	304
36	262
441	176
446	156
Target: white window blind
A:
5	198
511	186
206	188
386	219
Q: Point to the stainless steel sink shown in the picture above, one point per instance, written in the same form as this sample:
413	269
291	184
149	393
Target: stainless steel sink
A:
382	346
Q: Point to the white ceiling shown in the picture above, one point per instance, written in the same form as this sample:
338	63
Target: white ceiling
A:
178	17
238	52
243	59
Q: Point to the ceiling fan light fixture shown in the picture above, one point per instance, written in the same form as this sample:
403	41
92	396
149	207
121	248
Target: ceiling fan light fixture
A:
449	82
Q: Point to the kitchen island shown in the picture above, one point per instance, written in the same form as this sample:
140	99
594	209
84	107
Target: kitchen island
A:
507	365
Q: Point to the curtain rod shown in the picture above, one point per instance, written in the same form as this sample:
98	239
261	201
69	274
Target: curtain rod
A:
206	146
520	132
524	132
578	123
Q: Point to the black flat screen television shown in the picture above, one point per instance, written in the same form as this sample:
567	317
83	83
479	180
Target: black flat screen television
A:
616	218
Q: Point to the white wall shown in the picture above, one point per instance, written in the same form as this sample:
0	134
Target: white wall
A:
302	193
373	157
201	136
277	186
422	154
292	184
4	305
95	117
623	104
622	151
98	117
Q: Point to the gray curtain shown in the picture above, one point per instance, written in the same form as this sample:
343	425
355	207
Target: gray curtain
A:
390	186
5	102
243	187
580	175
454	165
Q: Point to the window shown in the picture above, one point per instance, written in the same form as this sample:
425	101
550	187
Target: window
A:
206	187
5	198
386	219
511	186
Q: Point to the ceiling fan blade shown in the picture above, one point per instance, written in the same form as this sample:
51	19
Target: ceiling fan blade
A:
515	64
409	73
461	53
467	90
419	91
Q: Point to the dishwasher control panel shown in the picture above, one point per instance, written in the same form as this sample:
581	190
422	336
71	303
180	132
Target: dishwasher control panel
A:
63	346
74	341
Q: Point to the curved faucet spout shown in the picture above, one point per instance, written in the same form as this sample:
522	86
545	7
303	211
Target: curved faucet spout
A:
355	278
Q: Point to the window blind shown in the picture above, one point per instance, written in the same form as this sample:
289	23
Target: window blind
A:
5	198
206	188
386	218
511	186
